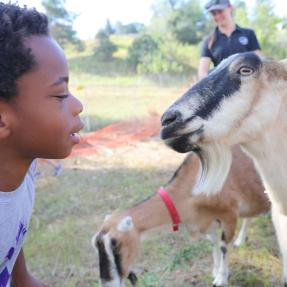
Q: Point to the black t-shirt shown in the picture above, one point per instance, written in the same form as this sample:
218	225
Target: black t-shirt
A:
241	40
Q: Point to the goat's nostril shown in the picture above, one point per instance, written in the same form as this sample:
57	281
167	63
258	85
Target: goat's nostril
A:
170	117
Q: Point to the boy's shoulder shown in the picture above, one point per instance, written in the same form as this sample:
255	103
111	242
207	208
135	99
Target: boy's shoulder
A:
15	214
20	198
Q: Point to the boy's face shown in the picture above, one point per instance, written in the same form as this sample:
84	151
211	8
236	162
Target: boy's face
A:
45	118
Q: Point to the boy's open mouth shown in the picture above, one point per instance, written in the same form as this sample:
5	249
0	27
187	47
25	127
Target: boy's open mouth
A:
75	137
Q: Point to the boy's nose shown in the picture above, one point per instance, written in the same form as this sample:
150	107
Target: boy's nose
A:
78	106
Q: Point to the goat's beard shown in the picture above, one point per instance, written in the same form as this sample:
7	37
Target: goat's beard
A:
215	165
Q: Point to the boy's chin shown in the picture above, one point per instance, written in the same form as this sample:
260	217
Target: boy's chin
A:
59	154
64	155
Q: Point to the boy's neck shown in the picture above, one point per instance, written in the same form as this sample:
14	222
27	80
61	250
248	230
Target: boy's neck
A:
12	172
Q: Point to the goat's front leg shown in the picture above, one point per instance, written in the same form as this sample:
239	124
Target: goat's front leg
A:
242	235
214	237
280	224
221	278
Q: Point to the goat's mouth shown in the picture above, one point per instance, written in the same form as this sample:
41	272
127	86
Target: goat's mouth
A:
181	134
133	278
185	142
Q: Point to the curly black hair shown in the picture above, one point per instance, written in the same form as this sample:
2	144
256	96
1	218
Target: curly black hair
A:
17	24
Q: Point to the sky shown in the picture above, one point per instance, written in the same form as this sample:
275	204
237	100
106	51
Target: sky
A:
93	14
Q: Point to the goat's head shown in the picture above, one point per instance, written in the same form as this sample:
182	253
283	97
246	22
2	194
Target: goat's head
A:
117	244
236	103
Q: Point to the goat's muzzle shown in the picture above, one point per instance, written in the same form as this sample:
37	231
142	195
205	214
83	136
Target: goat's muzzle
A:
171	122
133	278
180	134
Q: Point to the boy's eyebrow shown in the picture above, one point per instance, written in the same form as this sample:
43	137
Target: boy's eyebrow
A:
60	81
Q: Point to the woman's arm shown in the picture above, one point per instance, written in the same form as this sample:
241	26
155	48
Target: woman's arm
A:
20	275
203	67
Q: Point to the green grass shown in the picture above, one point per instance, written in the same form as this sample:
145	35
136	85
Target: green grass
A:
134	101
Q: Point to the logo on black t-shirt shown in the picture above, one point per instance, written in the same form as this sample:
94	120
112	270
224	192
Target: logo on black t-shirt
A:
243	40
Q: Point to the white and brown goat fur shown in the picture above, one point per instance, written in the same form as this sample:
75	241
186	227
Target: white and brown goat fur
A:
242	101
118	240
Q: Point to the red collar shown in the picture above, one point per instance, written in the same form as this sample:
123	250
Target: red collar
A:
170	207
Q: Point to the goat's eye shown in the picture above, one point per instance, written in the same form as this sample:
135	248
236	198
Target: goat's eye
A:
245	71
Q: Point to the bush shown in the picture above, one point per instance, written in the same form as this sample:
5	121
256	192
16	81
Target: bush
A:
141	51
149	56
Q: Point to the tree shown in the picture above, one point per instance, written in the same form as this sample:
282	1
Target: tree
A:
165	7
142	50
105	49
131	28
241	14
61	22
188	22
266	23
162	11
183	20
109	29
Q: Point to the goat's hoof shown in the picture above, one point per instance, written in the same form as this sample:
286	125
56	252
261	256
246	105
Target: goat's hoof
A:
219	282
239	242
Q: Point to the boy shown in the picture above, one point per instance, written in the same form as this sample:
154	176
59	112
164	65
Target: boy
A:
39	117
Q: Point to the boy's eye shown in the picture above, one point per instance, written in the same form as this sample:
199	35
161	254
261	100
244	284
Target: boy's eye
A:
62	97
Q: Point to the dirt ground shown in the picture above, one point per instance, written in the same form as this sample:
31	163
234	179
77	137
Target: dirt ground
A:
118	134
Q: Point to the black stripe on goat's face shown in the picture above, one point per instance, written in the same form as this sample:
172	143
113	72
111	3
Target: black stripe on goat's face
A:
110	261
184	123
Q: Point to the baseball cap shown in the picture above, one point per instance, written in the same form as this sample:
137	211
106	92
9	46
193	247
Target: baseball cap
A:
216	5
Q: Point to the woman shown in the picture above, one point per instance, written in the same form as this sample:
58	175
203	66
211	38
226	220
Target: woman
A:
227	38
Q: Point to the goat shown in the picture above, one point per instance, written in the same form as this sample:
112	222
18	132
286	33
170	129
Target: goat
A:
118	240
242	101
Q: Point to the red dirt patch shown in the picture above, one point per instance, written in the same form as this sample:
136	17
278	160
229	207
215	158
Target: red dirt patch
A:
118	134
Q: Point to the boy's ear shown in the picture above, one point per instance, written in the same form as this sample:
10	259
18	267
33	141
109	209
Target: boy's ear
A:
5	130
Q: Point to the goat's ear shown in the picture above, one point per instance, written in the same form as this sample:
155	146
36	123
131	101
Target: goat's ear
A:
107	217
126	224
